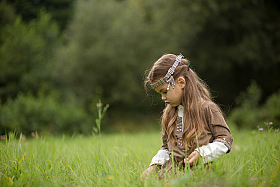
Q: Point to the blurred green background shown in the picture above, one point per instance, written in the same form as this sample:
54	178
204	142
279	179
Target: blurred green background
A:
59	57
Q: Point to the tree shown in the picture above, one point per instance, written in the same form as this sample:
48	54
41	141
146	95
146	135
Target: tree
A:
61	10
7	14
231	43
110	45
25	55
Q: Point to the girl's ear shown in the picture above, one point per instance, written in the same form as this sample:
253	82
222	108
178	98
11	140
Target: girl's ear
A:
181	82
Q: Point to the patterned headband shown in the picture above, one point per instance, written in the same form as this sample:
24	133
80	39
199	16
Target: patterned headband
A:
168	77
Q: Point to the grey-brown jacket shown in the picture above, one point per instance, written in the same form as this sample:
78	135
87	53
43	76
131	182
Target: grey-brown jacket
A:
216	129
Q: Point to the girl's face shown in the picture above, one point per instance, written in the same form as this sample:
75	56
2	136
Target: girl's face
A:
172	96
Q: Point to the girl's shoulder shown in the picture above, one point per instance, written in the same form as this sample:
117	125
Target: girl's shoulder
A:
213	113
210	106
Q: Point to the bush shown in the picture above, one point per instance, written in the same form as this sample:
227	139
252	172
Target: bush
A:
247	115
28	114
271	109
26	51
250	114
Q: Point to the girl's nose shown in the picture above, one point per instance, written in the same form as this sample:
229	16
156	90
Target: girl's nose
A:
163	97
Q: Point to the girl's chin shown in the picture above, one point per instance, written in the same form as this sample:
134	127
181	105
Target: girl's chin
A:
174	105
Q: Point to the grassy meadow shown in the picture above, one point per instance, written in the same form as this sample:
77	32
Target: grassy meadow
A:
119	160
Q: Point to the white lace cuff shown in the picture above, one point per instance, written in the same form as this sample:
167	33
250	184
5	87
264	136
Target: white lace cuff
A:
161	157
212	151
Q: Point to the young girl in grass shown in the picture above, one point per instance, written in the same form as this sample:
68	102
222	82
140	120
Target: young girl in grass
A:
193	126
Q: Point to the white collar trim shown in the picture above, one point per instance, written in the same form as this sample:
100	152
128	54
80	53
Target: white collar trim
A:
180	111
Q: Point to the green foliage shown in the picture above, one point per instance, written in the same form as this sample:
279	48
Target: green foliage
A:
232	42
271	109
107	53
101	112
251	114
7	14
251	98
25	56
79	161
61	10
248	113
105	47
123	39
45	113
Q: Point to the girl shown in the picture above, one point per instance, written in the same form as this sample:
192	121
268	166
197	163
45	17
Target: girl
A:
190	117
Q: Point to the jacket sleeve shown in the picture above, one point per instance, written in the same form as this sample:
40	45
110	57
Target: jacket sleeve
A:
221	136
218	126
212	151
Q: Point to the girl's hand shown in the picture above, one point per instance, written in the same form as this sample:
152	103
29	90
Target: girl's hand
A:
192	159
149	171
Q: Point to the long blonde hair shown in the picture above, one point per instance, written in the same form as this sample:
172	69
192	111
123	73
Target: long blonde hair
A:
194	94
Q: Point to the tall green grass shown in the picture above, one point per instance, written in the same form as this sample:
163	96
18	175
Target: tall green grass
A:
120	159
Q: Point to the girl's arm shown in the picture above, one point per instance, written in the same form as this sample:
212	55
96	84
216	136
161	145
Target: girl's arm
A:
160	158
208	152
222	138
149	171
212	151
